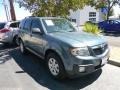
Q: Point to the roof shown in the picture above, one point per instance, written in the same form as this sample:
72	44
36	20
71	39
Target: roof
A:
44	17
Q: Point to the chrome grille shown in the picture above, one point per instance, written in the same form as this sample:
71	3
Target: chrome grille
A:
99	49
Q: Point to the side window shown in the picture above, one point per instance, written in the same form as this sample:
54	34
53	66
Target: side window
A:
27	24
2	25
36	24
110	22
116	22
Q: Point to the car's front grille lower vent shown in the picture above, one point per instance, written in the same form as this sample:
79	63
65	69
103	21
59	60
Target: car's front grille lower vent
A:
100	49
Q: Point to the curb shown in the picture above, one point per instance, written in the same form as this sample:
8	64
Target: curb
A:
112	62
114	56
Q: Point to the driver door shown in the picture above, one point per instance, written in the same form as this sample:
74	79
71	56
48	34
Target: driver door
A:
36	39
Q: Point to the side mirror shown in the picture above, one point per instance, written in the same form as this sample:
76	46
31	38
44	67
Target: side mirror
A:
36	30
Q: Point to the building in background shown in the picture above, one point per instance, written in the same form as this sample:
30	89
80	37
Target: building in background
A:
88	13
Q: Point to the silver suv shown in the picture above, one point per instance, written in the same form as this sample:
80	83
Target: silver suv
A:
66	51
9	32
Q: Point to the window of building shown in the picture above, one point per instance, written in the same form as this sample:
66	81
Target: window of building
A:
92	14
92	19
74	20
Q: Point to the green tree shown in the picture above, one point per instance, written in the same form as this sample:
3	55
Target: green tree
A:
53	7
62	7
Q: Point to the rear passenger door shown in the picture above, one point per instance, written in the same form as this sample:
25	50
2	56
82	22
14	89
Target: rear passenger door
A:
26	32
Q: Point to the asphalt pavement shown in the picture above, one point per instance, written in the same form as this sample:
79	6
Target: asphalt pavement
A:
28	72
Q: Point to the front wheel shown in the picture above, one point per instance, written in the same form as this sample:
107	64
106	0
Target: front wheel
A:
55	66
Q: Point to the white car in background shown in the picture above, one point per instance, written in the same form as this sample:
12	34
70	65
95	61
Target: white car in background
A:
9	32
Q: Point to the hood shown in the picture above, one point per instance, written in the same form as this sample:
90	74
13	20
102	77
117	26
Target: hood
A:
75	38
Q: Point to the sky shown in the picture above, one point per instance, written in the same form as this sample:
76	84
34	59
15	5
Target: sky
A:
22	12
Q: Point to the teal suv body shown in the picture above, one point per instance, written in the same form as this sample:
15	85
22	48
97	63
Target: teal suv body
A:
67	52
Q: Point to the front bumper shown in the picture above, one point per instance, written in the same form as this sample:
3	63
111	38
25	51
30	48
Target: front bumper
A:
90	64
5	38
88	69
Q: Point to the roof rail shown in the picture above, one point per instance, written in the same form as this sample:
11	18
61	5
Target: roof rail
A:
29	16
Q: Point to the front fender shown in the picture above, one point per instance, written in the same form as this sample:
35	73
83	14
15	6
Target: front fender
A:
58	48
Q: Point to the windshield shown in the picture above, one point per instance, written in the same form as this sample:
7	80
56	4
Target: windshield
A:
2	25
58	25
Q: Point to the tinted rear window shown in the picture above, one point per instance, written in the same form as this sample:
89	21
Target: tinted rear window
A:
2	25
14	25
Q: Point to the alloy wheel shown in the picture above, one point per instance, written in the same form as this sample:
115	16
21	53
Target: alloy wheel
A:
53	66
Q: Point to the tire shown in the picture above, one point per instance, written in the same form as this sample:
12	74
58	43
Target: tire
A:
55	66
22	47
16	41
6	44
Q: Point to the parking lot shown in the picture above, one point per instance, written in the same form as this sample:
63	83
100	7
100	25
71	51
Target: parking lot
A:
21	72
113	39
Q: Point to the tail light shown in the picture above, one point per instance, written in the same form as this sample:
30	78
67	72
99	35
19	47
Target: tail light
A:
4	30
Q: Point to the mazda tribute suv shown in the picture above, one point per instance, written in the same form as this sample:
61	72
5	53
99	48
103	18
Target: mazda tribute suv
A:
66	51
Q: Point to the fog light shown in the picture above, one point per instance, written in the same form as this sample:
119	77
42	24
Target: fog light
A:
81	69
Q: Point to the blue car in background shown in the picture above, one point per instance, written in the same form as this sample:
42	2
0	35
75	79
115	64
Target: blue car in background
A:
110	26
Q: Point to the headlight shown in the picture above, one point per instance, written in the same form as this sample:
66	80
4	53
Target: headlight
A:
82	51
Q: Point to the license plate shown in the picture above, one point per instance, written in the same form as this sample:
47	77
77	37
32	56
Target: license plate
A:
104	60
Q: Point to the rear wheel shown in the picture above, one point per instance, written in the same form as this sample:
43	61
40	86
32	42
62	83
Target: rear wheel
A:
55	66
6	44
22	47
15	40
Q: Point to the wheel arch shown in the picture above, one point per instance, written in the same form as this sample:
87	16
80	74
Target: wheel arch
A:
51	51
55	52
